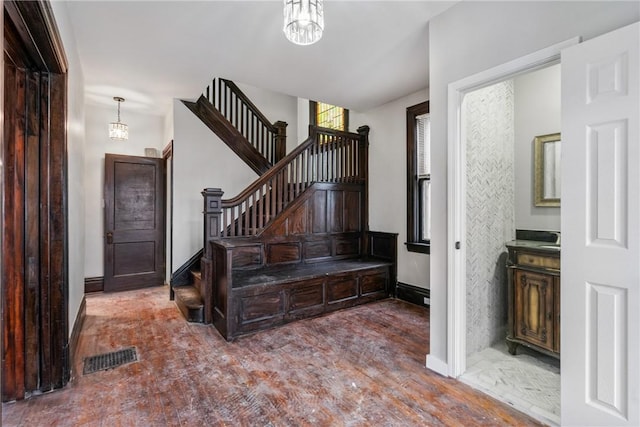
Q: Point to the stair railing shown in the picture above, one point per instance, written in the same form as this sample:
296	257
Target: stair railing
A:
269	139
326	156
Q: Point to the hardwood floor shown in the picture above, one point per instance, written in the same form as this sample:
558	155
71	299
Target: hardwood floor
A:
357	367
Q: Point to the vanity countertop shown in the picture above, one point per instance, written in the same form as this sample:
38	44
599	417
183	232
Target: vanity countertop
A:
533	244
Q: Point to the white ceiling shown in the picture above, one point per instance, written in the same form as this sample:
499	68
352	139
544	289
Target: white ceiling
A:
150	52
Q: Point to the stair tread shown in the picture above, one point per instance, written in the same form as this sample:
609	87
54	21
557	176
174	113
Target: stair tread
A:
189	296
196	274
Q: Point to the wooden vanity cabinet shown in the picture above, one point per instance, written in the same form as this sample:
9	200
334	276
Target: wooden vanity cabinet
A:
534	299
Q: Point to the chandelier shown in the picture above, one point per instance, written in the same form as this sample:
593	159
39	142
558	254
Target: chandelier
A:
118	130
303	21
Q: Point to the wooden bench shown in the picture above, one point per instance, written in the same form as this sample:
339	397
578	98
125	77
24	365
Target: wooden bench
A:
248	294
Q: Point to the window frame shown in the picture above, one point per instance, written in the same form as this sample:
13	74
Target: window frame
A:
313	115
414	241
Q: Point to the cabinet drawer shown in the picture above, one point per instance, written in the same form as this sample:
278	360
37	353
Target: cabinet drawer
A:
538	261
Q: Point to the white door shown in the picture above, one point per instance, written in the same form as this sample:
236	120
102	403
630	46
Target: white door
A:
600	290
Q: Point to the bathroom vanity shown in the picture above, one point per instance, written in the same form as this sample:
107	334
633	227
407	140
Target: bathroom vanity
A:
533	271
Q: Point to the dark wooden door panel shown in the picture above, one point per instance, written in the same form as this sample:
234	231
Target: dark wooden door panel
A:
134	222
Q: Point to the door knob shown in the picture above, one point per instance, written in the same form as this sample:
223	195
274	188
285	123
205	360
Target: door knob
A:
109	237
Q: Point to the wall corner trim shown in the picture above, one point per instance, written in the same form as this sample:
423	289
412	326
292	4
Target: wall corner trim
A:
437	365
75	334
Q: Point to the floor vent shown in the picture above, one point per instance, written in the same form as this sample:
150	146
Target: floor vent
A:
102	362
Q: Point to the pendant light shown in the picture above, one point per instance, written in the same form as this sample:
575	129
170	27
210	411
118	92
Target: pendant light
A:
117	130
303	21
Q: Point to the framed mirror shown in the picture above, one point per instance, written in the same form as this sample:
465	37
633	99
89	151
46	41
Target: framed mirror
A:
547	170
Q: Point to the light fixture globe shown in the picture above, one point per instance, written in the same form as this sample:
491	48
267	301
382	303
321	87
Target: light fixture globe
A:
117	130
303	21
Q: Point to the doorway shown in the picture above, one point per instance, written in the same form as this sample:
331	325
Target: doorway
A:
500	123
134	222
458	253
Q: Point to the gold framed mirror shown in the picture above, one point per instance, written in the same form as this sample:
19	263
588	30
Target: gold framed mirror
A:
547	170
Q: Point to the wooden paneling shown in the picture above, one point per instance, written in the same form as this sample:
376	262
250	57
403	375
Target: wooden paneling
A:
352	214
342	288
261	306
278	253
335	211
34	209
347	246
319	212
311	294
372	283
247	256
298	220
317	249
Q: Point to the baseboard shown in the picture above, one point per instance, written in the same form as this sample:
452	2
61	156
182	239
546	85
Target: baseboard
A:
75	334
93	284
182	276
413	294
437	365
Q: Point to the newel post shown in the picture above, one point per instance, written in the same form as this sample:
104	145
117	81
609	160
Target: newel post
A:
363	131
212	226
212	216
280	140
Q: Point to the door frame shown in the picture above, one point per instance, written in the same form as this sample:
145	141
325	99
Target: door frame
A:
456	178
112	281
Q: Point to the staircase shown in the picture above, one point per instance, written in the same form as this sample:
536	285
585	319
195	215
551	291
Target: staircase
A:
327	156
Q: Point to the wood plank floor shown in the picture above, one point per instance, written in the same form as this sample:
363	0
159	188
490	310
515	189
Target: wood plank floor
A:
358	367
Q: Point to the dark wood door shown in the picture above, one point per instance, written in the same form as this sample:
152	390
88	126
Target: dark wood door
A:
534	301
134	222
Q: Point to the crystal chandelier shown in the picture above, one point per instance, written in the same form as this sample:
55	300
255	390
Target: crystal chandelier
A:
117	130
303	21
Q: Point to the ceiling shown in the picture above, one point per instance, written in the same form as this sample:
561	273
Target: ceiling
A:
150	52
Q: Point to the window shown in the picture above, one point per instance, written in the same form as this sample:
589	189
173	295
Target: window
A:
328	116
418	178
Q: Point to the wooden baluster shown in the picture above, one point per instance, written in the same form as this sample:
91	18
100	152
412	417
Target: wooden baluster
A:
332	160
254	213
290	181
270	197
296	171
338	158
246	230
325	161
260	208
224	223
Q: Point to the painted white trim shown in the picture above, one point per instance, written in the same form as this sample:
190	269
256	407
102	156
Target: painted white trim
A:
456	216
437	365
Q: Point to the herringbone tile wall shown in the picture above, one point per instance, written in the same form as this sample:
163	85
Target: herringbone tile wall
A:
489	130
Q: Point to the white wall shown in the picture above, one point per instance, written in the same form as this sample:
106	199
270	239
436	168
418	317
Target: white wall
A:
200	160
145	131
276	106
75	162
537	112
388	180
472	37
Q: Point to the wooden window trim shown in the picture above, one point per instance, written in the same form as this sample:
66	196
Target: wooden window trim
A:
414	244
313	115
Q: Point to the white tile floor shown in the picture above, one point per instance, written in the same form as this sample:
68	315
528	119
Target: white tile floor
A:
528	381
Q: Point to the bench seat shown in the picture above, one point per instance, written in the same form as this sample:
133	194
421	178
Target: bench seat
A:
247	294
282	274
